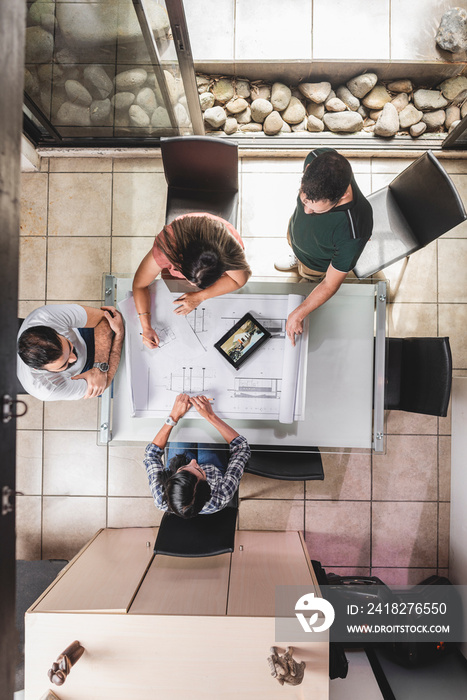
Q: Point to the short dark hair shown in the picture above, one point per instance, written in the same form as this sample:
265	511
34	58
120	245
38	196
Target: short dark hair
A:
39	345
184	494
326	177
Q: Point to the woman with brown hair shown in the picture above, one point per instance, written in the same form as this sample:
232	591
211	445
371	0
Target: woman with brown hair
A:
201	248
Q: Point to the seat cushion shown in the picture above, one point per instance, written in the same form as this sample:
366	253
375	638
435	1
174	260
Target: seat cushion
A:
285	463
183	201
392	237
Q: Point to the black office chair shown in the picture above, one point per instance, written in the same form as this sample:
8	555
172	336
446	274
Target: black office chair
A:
417	207
285	463
419	375
201	536
202	175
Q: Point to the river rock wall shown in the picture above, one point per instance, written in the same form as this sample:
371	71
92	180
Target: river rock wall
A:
364	103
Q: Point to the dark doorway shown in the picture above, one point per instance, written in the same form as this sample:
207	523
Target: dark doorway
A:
12	24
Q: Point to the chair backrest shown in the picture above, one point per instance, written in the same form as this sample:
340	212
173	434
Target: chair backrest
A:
419	375
428	199
201	536
286	463
200	163
202	176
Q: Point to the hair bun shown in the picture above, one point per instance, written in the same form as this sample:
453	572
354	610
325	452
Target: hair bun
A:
208	258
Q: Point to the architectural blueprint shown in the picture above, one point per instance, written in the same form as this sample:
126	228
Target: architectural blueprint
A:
270	385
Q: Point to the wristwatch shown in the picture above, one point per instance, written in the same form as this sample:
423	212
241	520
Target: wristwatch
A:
170	421
103	366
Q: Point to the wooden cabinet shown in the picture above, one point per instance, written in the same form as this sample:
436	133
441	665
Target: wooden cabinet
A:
260	562
179	586
105	575
169	627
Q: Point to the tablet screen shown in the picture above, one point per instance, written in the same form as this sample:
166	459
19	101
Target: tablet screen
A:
242	340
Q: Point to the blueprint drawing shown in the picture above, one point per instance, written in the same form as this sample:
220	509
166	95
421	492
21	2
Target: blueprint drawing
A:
270	385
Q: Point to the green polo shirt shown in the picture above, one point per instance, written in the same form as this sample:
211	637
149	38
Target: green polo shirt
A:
337	237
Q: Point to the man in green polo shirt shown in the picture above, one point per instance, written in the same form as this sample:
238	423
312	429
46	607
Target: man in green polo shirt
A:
327	232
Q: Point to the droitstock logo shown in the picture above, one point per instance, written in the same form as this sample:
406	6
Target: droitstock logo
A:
311	605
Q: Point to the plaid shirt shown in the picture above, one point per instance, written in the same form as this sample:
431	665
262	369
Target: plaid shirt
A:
222	486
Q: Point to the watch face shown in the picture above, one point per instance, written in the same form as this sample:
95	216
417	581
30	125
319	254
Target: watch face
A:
103	366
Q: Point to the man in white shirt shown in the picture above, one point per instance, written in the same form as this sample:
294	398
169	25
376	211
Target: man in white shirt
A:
69	351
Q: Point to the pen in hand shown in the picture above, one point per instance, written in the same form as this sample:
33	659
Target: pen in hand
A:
150	340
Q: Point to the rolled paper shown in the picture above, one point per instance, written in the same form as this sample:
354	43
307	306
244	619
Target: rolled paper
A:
290	368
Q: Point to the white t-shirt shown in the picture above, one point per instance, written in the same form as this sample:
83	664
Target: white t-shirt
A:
57	386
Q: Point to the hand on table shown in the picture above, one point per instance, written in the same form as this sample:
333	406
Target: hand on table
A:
97	382
187	302
203	406
181	405
114	319
294	325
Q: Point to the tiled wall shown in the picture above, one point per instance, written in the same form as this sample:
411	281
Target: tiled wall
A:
82	217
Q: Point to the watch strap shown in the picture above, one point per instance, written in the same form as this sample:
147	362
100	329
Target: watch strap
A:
101	365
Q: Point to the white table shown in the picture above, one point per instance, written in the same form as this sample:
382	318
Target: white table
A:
345	377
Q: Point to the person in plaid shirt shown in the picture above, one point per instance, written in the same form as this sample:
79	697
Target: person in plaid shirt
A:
196	481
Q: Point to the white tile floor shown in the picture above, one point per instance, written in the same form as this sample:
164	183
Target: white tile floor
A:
366	507
343	20
300	30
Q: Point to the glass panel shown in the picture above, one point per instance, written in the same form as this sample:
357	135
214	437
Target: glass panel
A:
92	74
35	121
